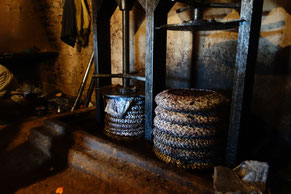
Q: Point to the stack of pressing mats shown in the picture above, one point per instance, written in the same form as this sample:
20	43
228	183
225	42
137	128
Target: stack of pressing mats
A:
124	117
187	130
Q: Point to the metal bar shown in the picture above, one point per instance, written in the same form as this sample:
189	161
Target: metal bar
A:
183	9
217	5
198	15
96	4
82	86
202	25
101	14
125	43
209	5
89	93
249	31
156	14
128	76
149	96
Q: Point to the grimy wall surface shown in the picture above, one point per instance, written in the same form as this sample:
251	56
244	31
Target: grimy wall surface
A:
25	24
203	60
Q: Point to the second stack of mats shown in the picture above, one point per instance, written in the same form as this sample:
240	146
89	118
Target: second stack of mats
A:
187	127
124	117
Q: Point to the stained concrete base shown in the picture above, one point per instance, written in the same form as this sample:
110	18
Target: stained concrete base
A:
74	181
71	151
137	168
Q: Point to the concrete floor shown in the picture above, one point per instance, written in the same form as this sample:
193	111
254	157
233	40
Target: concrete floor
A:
74	181
22	164
89	162
80	166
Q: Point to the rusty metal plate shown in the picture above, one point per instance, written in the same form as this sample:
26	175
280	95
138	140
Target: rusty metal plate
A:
202	25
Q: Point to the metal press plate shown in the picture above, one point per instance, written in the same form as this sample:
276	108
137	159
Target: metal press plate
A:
202	25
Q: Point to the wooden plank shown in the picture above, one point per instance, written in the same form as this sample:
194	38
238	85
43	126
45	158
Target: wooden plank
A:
156	42
249	31
102	12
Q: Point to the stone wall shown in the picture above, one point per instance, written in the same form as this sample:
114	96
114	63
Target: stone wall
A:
20	27
38	24
70	66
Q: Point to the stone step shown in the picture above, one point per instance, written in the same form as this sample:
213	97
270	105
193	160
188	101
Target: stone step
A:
56	127
113	162
102	158
48	135
101	167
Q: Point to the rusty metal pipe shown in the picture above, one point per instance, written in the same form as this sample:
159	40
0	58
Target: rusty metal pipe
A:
128	76
81	89
125	40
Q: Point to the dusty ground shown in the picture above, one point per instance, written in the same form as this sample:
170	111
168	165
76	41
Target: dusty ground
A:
21	164
74	181
25	169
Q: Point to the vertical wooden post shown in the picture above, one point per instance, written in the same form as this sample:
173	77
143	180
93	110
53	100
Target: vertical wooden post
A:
149	70
95	8
101	12
156	44
248	36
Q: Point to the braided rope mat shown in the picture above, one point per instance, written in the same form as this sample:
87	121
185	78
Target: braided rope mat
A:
138	103
184	143
123	126
134	116
136	108
186	155
187	100
127	130
122	138
133	99
182	130
129	116
185	118
135	112
182	164
134	132
123	121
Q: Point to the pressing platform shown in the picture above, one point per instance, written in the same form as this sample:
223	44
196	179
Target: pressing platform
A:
70	150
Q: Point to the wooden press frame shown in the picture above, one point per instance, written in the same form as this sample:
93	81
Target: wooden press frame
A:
156	15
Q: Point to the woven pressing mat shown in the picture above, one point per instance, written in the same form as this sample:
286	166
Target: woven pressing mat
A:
187	155
187	100
138	103
184	143
136	108
122	132
132	116
183	130
133	99
196	137
186	118
123	126
129	116
140	112
122	138
123	121
117	129
181	164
